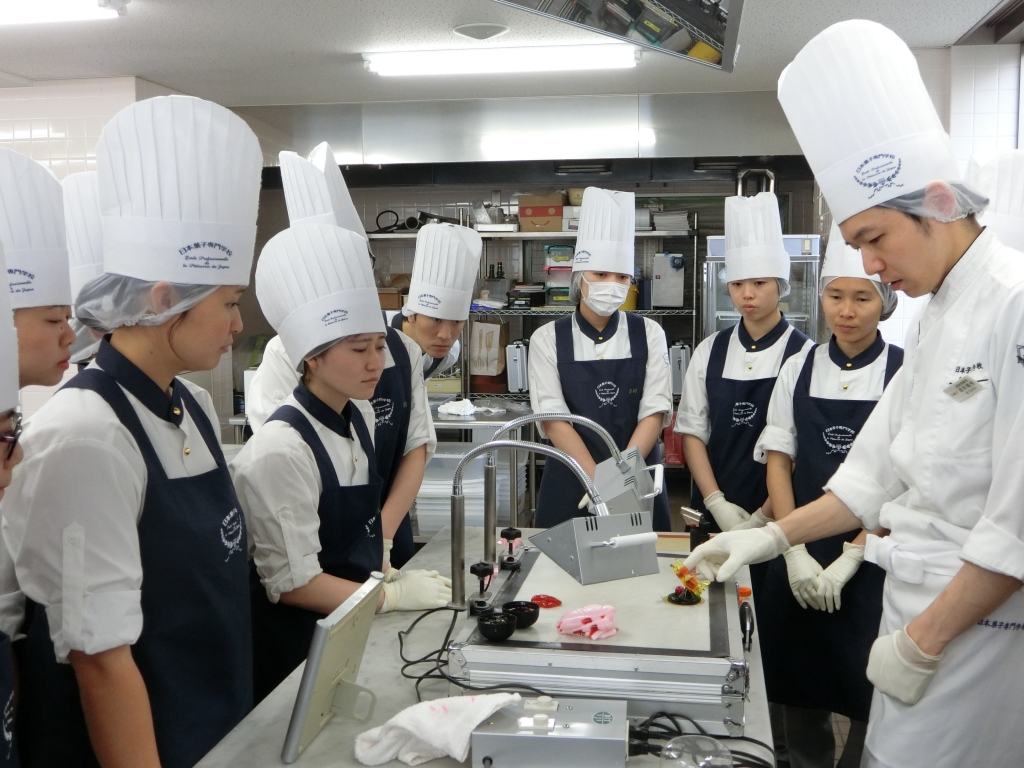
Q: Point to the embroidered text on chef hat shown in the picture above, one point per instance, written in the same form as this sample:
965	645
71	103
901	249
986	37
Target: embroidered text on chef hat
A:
444	272
855	100
605	241
179	182
315	286
32	233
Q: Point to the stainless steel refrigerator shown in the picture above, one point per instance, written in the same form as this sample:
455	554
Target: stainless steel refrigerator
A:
800	307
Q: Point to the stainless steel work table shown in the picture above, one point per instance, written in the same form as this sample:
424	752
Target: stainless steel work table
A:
256	742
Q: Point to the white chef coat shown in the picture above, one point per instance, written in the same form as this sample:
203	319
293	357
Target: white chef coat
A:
278	485
830	380
82	467
12	599
741	363
429	368
275	380
945	477
546	385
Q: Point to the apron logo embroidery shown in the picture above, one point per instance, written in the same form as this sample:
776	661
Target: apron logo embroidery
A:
838	439
383	409
8	724
369	527
606	392
743	414
878	172
231	532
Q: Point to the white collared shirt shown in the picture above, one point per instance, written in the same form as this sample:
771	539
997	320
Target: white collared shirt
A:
546	386
741	364
278	485
83	468
930	467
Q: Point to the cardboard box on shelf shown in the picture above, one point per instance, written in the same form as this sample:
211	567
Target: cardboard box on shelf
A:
541	213
390	298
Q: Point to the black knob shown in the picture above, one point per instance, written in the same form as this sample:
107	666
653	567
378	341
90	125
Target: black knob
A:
481	570
511	534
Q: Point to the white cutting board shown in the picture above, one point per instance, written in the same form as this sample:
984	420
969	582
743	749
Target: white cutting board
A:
644	619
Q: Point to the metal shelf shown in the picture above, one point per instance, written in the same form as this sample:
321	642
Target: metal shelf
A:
556	312
662	234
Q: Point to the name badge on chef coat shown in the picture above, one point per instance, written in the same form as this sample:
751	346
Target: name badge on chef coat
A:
963	388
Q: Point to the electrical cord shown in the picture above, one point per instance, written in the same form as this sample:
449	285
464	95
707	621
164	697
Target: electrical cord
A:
652	728
390	227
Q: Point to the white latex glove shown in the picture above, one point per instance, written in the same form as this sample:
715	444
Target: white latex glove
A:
417	591
897	667
386	564
834	578
722	556
803	573
726	514
757	520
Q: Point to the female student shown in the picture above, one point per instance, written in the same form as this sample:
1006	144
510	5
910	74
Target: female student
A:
607	365
308	480
729	382
820	606
123	522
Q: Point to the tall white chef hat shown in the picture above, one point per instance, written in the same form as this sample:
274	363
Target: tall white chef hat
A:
855	100
315	286
753	240
85	249
8	348
843	261
179	181
605	242
444	272
315	191
1001	180
32	233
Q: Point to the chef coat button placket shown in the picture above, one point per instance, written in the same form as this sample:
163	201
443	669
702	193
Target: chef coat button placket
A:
846	386
176	411
187	450
750	367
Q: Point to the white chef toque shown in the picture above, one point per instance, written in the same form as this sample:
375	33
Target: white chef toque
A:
444	272
8	348
179	181
32	233
1001	180
753	240
855	100
315	286
84	228
843	261
605	242
315	191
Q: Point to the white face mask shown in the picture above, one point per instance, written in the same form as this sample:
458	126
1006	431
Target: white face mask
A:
605	298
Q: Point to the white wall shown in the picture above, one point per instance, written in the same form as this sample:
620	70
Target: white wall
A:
984	100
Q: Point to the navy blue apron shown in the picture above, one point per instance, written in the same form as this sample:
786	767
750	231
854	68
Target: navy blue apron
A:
392	403
738	411
351	542
195	652
816	659
9	756
609	392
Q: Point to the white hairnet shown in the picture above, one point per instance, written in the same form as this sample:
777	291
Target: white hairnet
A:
890	299
784	288
930	203
86	343
112	301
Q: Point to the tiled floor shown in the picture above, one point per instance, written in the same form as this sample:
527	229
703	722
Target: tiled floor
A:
841	728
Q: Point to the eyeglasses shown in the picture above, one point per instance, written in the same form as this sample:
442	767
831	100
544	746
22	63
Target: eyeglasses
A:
12	437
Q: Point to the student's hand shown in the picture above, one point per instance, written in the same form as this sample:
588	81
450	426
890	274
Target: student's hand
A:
803	573
726	514
417	591
757	520
834	578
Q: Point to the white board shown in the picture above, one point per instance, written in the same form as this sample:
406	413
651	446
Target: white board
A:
643	617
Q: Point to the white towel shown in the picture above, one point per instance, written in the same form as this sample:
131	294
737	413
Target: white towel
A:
429	730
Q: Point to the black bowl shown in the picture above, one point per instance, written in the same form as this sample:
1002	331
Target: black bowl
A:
526	613
496	626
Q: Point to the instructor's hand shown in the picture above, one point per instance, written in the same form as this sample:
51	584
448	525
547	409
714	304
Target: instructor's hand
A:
417	591
757	520
900	669
726	514
803	573
726	553
834	578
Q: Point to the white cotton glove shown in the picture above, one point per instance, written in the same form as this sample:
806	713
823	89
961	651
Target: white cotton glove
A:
834	578
898	668
386	564
416	591
803	572
757	520
722	556
726	514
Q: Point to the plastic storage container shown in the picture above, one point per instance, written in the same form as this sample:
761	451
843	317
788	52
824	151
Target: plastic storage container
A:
557	277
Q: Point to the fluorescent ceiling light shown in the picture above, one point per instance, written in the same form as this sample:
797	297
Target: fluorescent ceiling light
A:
45	11
481	61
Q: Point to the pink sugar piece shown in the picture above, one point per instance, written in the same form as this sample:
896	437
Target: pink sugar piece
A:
594	621
503	543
